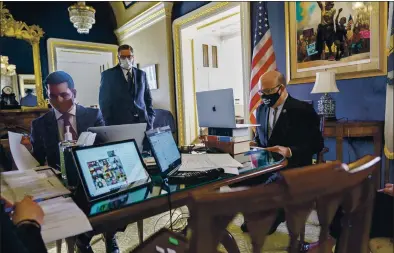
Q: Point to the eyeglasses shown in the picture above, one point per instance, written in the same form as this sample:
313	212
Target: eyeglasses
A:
269	91
123	57
64	95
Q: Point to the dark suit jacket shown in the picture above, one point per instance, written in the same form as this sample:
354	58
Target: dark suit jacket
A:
45	134
23	239
298	127
117	103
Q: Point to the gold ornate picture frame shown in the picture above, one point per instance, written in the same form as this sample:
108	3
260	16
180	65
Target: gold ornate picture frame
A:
32	34
309	31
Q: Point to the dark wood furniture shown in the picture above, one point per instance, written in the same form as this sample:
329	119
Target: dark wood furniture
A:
157	203
325	185
19	118
349	129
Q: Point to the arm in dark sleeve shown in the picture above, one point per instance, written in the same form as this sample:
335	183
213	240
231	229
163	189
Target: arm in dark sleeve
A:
105	98
37	142
148	101
100	120
310	139
30	235
257	138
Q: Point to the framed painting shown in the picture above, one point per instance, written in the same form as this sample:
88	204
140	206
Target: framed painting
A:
151	76
344	37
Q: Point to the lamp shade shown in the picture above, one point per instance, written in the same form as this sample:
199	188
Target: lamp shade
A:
325	83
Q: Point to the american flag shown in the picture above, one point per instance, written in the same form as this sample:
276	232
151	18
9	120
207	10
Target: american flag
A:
263	59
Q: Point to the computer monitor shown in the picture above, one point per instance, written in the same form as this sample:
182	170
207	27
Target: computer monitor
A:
121	132
164	149
216	109
110	168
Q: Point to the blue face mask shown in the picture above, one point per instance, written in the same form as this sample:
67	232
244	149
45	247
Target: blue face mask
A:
271	99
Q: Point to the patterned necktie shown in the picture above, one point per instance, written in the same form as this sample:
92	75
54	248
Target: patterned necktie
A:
66	122
130	79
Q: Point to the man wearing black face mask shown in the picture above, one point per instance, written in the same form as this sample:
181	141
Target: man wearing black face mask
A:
125	96
287	126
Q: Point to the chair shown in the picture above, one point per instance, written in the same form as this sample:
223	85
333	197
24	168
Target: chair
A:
326	185
164	118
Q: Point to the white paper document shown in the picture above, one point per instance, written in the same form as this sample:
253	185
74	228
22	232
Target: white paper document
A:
22	157
17	184
62	219
209	161
86	139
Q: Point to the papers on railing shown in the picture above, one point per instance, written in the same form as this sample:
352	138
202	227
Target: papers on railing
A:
204	162
62	219
22	157
17	184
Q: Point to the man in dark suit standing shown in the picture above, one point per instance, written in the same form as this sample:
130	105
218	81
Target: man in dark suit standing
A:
124	96
48	130
288	126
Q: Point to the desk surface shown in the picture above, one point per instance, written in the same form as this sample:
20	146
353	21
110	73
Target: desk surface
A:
117	212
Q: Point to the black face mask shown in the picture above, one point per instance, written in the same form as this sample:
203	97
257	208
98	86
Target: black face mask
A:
271	99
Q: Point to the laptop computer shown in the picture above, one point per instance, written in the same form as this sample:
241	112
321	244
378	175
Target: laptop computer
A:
121	132
164	150
169	160
110	168
216	109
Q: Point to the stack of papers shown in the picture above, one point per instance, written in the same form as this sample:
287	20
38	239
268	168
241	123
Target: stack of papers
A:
17	184
204	162
63	218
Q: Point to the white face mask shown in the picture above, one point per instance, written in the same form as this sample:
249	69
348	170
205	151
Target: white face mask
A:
126	63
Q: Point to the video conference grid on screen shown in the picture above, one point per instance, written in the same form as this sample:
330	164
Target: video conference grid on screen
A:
110	167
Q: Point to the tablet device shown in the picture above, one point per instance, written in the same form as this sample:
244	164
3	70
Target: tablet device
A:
110	168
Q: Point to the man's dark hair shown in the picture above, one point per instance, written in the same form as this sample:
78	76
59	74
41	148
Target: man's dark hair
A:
125	47
59	77
28	91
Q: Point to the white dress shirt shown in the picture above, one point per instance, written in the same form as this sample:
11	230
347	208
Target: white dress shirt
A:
60	122
125	71
271	117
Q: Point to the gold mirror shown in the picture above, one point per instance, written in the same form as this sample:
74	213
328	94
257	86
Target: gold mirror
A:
9	27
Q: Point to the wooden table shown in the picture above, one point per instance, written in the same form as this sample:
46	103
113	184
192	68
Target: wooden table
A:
349	129
119	218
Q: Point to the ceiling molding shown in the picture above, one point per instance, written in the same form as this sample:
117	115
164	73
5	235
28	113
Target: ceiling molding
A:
146	19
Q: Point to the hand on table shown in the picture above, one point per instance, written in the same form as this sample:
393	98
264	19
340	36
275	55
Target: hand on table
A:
388	189
27	209
285	151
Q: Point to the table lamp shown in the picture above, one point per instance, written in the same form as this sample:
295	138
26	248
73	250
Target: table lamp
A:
325	83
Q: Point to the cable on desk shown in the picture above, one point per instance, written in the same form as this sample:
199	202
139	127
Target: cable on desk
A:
165	183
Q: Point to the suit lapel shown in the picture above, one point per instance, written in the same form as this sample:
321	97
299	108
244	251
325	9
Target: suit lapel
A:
51	127
81	119
135	81
281	123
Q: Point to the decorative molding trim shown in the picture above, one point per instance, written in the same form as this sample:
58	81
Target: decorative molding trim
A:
146	19
53	43
192	18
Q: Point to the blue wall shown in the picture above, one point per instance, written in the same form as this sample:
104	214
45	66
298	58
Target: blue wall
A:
53	18
358	99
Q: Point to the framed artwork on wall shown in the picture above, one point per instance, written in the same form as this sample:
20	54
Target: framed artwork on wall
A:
151	76
345	37
205	57
128	4
215	57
